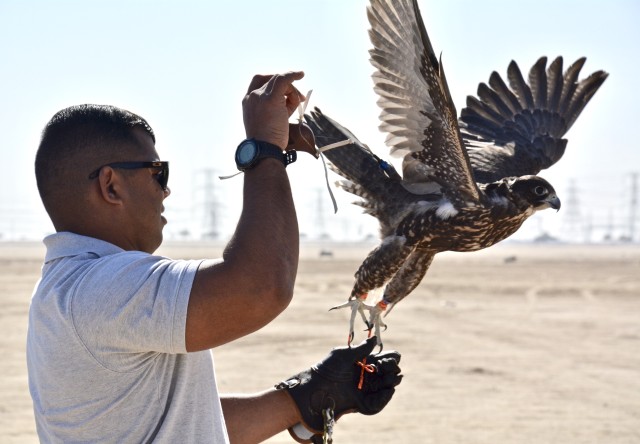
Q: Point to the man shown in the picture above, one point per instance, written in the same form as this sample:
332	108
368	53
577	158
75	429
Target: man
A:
118	338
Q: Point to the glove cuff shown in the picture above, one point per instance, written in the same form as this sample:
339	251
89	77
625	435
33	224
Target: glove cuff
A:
304	396
303	435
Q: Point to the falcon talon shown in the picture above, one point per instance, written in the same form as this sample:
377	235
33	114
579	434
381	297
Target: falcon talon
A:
356	305
350	338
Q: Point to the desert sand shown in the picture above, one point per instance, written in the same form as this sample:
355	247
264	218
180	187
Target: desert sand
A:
514	344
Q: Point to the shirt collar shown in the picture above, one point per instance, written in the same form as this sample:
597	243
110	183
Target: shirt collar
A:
65	244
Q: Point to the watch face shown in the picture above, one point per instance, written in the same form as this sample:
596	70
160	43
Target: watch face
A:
247	152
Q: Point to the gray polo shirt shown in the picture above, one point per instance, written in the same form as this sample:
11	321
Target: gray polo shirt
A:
106	349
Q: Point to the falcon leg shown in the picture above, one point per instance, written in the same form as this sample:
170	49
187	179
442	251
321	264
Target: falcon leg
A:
403	282
378	267
376	325
409	276
357	305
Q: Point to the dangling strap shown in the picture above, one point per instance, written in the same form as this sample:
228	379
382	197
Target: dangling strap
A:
326	172
329	422
229	176
326	179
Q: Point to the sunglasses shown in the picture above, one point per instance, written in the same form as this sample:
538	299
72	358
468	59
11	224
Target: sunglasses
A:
162	176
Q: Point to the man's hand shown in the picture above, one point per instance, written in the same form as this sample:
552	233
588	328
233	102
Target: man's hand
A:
347	380
267	106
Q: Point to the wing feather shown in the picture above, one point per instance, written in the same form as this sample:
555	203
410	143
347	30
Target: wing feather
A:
518	129
494	102
417	110
538	83
554	78
519	86
571	83
583	93
503	91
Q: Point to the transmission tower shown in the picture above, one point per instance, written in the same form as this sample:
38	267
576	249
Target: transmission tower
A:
633	206
321	220
210	219
572	220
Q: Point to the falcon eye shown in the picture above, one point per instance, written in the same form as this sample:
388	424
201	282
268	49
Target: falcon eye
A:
540	190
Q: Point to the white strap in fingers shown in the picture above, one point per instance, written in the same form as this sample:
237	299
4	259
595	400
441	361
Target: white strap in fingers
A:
336	145
302	106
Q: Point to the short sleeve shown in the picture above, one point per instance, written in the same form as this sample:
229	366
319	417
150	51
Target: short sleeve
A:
133	302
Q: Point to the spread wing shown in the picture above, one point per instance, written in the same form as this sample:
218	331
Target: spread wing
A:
417	110
518	129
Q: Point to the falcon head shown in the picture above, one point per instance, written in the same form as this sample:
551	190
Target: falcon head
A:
535	192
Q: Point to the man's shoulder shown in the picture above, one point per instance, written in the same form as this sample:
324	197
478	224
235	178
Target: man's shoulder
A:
118	291
83	261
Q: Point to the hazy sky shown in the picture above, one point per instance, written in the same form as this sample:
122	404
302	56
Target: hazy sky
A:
185	66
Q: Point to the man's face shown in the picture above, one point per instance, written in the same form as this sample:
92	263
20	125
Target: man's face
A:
145	199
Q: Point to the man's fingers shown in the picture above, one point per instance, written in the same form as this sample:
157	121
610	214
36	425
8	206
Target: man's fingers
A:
294	99
365	348
268	104
389	355
283	83
389	369
388	365
280	85
258	81
391	380
374	403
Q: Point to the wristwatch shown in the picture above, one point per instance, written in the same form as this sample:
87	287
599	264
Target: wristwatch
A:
251	151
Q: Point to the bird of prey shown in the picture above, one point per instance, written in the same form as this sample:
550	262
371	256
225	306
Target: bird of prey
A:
468	182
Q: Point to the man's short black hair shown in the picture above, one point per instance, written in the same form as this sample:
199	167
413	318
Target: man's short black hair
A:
79	139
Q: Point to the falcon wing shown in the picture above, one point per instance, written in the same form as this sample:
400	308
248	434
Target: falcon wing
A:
417	110
517	130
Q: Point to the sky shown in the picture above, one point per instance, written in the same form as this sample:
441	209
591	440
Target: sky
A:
185	66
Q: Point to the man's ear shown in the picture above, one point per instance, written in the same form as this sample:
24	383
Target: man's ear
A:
111	185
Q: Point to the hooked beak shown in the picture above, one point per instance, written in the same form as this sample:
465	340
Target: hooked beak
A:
554	202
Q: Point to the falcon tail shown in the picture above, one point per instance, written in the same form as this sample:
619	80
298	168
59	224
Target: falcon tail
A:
368	177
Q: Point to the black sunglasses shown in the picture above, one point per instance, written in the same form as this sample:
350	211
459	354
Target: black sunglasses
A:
162	176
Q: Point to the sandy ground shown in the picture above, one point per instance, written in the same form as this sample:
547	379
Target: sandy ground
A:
515	344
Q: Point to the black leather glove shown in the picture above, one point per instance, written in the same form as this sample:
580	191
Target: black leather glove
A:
345	382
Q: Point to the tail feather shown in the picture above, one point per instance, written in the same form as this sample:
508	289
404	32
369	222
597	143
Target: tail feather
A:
367	176
353	161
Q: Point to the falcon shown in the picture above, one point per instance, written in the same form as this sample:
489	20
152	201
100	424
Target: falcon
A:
468	182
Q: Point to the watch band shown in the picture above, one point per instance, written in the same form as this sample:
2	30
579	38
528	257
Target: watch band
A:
289	157
263	149
270	150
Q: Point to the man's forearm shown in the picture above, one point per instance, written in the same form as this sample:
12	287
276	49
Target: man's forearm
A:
254	418
266	240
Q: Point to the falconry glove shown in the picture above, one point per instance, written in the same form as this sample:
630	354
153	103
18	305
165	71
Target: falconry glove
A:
349	379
